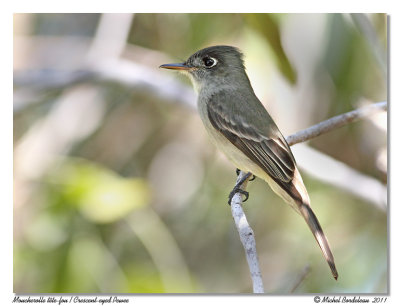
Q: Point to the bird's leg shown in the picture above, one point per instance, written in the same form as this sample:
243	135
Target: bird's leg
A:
237	188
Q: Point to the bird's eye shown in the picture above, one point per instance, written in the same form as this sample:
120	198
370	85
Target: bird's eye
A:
209	62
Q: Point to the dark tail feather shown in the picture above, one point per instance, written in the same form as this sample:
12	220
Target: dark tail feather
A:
319	235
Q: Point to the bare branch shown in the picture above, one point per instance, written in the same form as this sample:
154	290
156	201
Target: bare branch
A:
335	122
247	237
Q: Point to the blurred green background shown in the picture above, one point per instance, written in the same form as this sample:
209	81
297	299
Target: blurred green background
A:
118	190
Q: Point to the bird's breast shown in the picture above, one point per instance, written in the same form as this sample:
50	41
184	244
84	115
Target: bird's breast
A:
237	157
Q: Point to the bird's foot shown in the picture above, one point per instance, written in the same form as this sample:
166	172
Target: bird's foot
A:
236	190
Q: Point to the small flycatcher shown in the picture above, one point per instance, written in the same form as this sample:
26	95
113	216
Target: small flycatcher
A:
240	126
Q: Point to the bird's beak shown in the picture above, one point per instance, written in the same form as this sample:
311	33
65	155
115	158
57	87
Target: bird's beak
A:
176	66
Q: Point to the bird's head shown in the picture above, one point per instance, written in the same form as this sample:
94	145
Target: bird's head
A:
214	66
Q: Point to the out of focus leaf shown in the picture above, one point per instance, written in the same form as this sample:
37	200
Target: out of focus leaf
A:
267	26
101	195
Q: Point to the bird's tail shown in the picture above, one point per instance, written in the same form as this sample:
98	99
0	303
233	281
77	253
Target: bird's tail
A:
319	235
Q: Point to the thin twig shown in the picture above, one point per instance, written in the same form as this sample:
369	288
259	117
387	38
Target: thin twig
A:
335	122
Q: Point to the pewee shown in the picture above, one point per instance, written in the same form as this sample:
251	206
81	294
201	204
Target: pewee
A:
239	125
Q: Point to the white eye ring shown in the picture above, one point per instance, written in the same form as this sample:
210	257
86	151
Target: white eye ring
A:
209	61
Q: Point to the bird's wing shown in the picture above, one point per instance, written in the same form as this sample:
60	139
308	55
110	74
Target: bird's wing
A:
259	140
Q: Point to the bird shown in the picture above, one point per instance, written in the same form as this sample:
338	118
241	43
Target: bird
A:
239	125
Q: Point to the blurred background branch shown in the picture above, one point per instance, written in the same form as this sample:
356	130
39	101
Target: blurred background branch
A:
376	45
